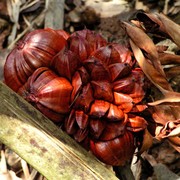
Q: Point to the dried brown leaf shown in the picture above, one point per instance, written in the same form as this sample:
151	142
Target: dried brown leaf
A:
166	124
167	58
171	128
144	42
160	22
147	141
175	132
173	72
162	114
170	98
175	142
171	28
153	75
14	11
156	78
5	174
141	39
30	6
161	48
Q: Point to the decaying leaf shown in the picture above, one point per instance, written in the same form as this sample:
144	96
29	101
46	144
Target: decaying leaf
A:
171	128
6	174
171	99
175	132
175	142
156	78
166	125
172	29
161	48
147	141
162	113
166	117
13	10
173	72
159	22
144	42
167	58
153	75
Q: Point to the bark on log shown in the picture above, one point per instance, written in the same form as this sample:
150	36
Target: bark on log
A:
42	144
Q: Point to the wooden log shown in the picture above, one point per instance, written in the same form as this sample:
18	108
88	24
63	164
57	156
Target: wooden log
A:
54	17
42	144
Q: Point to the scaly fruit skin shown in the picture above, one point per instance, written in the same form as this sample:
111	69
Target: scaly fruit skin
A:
35	50
87	84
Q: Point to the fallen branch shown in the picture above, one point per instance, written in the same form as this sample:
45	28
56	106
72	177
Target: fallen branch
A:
42	144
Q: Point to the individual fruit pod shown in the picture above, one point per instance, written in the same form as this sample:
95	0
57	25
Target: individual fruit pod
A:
114	53
140	85
48	92
116	142
115	151
136	123
63	33
35	50
95	40
85	42
65	63
110	141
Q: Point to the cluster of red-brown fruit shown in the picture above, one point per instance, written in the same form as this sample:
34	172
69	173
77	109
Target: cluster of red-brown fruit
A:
90	86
